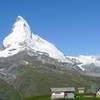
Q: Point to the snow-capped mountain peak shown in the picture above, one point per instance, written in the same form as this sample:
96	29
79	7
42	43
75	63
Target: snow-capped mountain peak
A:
21	37
20	33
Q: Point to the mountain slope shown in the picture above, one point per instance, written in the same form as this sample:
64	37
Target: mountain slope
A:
8	92
35	75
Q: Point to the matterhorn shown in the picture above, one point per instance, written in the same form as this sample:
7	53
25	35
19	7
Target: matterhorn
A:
22	38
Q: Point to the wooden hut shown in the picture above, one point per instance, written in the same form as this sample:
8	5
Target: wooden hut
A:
57	93
98	94
81	90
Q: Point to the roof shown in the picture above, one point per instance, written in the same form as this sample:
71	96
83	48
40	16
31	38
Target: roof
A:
98	91
69	89
81	88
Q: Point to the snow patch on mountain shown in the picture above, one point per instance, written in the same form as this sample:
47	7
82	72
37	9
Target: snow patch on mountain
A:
86	60
82	61
80	66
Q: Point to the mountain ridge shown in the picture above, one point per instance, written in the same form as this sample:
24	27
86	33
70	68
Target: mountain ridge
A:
21	38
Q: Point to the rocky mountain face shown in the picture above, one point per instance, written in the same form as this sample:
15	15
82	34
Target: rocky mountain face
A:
30	65
34	75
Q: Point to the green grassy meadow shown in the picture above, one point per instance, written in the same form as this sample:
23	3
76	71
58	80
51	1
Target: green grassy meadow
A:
48	98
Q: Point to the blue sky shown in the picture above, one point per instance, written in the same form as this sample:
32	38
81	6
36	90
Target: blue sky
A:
73	26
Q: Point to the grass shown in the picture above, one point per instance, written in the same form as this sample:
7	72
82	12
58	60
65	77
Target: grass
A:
7	92
48	98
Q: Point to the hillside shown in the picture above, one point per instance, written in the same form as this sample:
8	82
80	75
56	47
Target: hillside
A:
7	92
38	78
40	74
